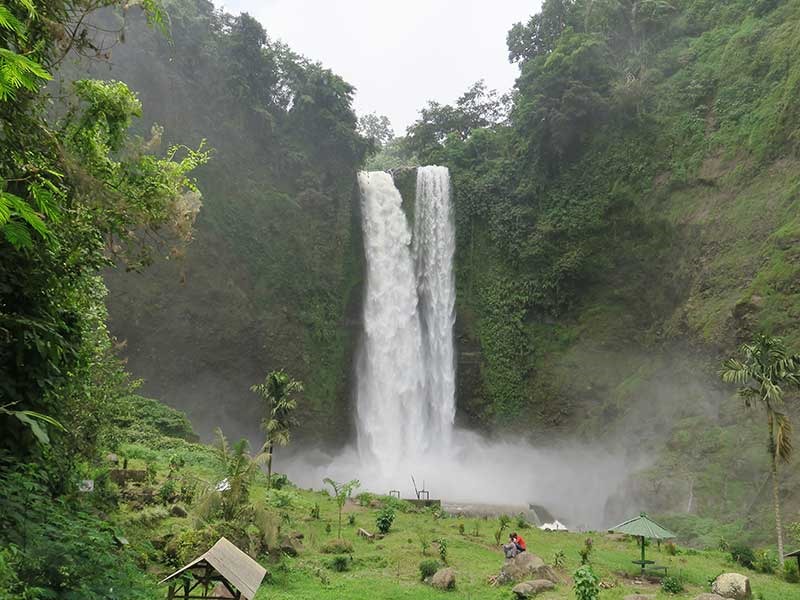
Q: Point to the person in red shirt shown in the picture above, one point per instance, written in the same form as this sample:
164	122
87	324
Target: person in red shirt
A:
519	542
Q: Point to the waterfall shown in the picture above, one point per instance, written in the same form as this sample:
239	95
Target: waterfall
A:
406	368
434	246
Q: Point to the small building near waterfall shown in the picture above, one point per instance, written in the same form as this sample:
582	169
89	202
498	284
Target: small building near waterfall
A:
222	573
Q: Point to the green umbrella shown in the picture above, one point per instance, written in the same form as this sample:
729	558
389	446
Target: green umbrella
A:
643	527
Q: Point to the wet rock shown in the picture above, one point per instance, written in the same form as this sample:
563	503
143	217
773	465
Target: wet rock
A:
178	511
289	546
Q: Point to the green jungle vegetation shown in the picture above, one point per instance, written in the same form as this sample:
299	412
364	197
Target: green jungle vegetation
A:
626	218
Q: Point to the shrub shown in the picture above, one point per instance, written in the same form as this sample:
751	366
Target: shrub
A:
364	498
428	568
443	549
328	528
586	551
670	548
424	543
461	528
384	520
315	511
337	546
522	523
279	481
351	519
339	563
743	555
671	585
282	498
559	559
587	584
790	572
766	562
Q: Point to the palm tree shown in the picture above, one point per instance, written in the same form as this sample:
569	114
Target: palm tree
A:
239	467
764	373
341	492
276	391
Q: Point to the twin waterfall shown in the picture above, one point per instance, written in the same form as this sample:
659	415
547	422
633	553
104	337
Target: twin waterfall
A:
406	367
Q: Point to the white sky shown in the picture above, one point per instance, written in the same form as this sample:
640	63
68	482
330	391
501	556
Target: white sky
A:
398	54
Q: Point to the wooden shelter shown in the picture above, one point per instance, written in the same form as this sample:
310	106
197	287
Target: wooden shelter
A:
795	554
222	573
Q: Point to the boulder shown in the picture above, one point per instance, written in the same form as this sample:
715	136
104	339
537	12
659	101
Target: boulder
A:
525	567
707	596
732	585
289	546
528	589
178	511
444	579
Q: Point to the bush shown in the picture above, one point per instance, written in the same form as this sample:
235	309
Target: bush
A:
587	584
282	498
384	520
315	511
442	549
671	585
790	572
522	523
743	555
364	498
670	548
351	519
766	562
586	551
339	563
559	558
427	568
279	481
337	546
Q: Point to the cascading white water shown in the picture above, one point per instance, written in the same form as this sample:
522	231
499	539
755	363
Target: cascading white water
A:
405	380
406	370
434	246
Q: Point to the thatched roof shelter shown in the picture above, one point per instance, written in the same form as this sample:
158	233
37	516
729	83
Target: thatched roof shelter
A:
223	565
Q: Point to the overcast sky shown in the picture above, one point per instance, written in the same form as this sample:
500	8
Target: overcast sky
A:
398	54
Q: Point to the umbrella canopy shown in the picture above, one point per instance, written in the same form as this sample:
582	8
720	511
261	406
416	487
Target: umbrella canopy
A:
642	526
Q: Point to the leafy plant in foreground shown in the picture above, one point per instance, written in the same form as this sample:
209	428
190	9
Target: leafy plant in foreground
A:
587	584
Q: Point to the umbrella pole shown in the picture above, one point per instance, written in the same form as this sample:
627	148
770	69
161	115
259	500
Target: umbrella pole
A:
642	555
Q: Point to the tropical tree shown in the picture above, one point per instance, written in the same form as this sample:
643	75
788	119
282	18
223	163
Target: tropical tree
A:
230	494
277	392
341	492
765	370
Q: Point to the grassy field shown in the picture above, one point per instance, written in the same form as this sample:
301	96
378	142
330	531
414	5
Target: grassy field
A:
388	568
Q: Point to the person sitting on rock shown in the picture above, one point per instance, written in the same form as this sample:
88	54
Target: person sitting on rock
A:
518	542
510	549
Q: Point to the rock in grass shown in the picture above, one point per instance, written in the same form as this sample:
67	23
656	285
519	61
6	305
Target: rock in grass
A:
707	596
525	567
289	546
528	589
178	511
732	585
444	579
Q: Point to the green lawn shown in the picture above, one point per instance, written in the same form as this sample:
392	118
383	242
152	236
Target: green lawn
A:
388	568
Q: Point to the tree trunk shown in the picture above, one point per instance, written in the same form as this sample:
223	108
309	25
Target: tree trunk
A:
269	466
775	496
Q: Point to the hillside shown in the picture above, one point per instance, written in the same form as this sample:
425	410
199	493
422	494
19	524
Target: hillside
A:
626	226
